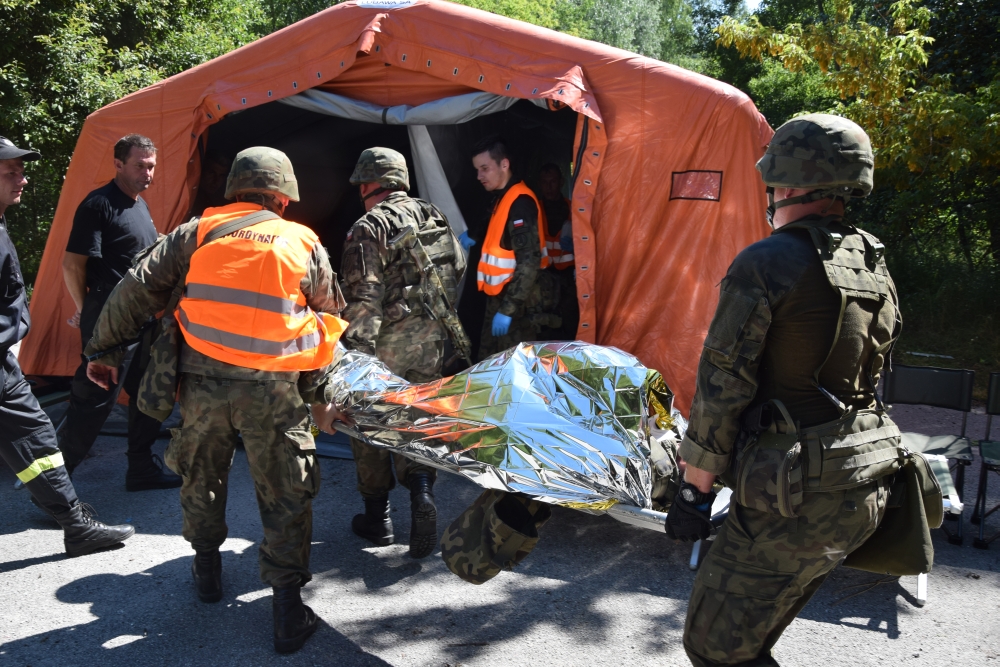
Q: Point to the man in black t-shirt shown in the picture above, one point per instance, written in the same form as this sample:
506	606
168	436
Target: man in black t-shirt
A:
110	228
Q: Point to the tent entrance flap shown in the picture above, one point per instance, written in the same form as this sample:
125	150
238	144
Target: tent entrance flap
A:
445	111
324	147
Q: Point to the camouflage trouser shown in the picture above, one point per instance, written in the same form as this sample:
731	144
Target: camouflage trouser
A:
416	362
274	424
762	569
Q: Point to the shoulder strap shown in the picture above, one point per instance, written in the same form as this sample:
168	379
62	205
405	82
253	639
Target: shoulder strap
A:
222	230
239	223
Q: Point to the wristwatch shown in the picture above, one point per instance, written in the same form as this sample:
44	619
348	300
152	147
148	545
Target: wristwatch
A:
692	496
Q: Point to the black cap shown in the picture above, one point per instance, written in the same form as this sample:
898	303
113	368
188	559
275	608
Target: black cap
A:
8	151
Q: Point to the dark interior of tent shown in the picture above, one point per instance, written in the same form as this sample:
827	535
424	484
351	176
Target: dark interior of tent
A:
323	150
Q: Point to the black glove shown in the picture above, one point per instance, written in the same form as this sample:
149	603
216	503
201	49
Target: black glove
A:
690	520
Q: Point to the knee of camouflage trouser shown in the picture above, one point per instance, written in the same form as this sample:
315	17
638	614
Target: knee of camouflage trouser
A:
405	467
733	610
373	467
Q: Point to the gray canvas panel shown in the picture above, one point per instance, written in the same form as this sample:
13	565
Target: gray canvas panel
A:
243	343
446	111
240	297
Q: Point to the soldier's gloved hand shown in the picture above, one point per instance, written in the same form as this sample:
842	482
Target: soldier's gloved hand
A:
501	324
690	517
466	241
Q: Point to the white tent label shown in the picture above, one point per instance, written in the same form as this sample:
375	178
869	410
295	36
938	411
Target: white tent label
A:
385	4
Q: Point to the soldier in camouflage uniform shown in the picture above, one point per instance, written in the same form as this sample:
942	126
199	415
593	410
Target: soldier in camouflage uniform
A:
785	408
387	318
222	402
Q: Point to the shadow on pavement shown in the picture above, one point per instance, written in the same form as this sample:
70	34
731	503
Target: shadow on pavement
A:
580	563
153	617
12	565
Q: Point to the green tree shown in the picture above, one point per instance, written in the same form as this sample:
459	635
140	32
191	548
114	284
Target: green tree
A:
633	25
62	60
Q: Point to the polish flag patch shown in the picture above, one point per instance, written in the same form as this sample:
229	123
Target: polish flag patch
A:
518	223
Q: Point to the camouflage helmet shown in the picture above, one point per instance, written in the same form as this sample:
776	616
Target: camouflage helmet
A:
262	169
820	152
383	166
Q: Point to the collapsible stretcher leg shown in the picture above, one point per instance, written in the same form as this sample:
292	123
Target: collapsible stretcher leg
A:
922	589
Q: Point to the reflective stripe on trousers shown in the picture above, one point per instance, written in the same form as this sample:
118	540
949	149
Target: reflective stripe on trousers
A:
39	466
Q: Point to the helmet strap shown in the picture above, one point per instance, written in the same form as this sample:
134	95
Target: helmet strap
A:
265	199
374	193
770	206
833	194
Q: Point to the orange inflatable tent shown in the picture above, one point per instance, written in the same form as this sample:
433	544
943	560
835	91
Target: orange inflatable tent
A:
659	161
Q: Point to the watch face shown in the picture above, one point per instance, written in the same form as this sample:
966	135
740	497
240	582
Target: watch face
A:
688	495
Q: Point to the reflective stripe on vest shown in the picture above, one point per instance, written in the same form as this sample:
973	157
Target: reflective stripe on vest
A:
496	264
561	260
243	303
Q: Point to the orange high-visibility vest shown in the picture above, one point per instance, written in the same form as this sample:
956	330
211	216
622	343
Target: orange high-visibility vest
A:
496	264
561	260
243	303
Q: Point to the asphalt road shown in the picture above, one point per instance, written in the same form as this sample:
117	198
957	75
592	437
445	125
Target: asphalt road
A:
594	592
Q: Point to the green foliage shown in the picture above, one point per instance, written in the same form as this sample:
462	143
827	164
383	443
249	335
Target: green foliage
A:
781	94
633	25
538	12
62	60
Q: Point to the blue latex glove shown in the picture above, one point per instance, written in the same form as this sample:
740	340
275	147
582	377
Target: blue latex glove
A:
501	324
466	241
566	243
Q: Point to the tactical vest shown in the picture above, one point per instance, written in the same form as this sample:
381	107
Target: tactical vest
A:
243	303
496	264
401	276
779	462
861	445
553	246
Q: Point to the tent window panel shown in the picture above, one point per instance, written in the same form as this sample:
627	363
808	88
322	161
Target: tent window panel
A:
696	184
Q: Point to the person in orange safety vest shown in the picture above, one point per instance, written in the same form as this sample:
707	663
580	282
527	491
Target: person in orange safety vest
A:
513	254
259	331
559	236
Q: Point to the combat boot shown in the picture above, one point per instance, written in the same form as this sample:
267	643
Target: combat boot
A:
207	571
83	535
148	474
423	515
294	622
375	525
